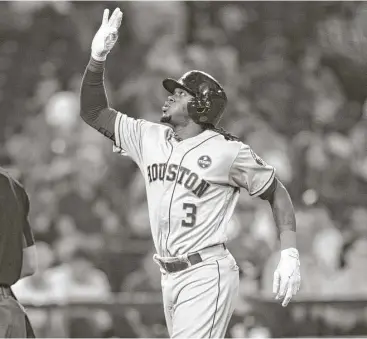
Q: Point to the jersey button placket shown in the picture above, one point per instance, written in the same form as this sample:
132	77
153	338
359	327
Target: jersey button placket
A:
165	207
163	218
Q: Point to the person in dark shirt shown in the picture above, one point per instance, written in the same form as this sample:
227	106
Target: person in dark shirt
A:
17	255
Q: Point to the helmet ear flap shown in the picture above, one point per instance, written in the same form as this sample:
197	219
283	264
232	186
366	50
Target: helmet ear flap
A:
200	105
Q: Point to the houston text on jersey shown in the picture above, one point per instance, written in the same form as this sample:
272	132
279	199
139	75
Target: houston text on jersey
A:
185	176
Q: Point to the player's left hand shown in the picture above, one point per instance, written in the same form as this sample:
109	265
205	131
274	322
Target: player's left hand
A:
107	34
287	276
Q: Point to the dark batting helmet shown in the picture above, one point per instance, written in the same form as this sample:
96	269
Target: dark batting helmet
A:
209	100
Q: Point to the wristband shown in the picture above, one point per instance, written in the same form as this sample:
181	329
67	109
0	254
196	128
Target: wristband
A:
96	65
288	239
99	58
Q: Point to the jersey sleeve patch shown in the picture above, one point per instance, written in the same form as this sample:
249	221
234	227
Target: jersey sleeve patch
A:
251	172
258	160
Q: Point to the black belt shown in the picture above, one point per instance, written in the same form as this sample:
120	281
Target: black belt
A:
5	291
180	265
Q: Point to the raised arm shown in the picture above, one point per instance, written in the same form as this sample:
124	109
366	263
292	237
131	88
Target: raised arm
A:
94	108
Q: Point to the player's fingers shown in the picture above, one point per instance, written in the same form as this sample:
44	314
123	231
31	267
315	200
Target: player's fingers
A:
112	21
288	295
295	287
106	12
283	288
276	282
119	19
299	283
115	26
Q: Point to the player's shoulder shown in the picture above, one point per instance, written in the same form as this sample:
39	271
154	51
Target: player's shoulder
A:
143	124
7	178
233	148
234	143
245	151
158	129
225	149
146	122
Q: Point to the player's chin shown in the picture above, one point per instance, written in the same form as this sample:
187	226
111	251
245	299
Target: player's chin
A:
165	118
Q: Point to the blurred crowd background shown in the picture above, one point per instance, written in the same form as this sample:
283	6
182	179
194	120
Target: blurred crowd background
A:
295	75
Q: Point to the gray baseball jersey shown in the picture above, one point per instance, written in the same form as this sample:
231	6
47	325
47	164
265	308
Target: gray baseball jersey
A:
192	189
193	185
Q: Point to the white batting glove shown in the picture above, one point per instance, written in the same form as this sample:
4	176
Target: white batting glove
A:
107	35
287	276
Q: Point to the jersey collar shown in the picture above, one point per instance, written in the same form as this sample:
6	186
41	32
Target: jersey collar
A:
193	141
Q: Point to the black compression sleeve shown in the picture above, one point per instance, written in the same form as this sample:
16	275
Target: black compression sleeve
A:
94	108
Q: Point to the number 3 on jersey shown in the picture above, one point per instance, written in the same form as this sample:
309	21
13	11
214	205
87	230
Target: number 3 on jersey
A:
190	219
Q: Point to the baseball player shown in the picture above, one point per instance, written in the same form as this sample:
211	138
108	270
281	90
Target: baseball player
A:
193	173
17	255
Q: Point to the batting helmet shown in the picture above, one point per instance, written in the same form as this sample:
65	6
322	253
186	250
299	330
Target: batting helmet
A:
209	100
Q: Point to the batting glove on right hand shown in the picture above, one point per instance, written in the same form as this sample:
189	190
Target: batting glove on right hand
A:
107	35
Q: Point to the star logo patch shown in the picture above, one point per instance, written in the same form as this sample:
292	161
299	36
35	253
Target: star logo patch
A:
204	161
258	160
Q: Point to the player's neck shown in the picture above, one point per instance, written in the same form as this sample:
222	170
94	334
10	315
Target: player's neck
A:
190	130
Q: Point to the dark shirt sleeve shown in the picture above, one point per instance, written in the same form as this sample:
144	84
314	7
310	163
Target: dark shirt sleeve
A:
94	108
27	231
22	199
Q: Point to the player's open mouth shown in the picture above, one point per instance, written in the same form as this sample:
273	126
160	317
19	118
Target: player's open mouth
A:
165	107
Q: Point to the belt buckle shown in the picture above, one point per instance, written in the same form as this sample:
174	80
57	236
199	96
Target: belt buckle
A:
185	259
